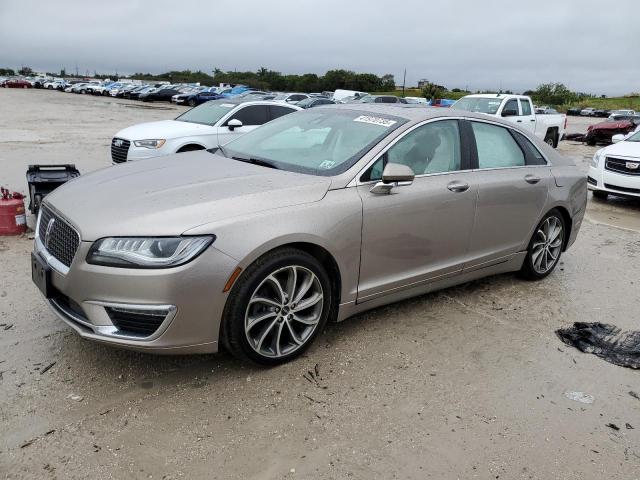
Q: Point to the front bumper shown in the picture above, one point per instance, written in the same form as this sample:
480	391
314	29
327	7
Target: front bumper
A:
189	298
611	182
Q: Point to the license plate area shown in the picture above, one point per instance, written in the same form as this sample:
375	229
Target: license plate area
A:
41	275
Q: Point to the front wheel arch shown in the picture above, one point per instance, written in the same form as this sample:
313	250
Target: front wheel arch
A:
190	147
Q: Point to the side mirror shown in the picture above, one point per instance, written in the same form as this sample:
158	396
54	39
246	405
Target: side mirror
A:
394	175
617	138
233	124
509	113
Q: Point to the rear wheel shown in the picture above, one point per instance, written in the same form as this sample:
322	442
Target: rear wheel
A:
551	139
277	308
545	247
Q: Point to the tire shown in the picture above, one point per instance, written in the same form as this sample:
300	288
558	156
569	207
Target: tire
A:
551	139
591	142
192	103
540	252
281	330
600	194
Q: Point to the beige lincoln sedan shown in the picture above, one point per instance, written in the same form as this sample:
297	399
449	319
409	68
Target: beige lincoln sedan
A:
311	218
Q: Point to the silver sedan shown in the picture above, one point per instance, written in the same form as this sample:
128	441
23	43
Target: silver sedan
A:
314	217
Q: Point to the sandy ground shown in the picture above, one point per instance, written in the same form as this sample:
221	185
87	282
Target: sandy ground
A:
465	383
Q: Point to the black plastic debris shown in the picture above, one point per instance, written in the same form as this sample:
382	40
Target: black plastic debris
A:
606	341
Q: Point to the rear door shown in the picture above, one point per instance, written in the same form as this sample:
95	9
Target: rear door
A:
277	111
251	116
513	182
419	232
527	118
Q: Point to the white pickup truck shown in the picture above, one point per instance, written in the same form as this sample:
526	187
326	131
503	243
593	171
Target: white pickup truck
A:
519	110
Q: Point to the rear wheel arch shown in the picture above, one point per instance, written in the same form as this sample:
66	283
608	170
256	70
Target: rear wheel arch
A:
552	134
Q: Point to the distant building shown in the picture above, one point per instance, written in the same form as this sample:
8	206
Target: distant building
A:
422	82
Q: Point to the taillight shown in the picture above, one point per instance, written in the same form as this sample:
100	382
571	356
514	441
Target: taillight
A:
565	122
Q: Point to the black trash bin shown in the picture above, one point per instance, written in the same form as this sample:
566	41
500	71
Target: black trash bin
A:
44	179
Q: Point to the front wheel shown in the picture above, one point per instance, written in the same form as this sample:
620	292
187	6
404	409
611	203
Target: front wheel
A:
545	247
278	307
192	103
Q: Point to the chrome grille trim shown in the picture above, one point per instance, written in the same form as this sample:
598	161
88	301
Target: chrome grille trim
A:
119	149
61	242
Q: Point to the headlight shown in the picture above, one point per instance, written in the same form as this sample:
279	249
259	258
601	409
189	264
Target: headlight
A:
595	161
155	252
152	143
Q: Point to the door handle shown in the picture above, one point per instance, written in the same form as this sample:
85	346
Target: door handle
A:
531	179
519	121
532	120
457	186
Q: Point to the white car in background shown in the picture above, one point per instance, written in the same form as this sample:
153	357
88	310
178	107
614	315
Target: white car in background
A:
613	113
588	112
290	97
615	169
208	125
517	109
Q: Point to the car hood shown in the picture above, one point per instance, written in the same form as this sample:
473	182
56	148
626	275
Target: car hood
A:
165	129
623	149
610	125
170	195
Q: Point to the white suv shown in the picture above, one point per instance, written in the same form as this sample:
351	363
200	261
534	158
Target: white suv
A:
209	125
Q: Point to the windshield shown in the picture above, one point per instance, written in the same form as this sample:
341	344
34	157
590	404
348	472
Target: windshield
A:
318	141
208	113
488	105
635	137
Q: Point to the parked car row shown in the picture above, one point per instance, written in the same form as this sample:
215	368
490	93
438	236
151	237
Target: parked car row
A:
598	112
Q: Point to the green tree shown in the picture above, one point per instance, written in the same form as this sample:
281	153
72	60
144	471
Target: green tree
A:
25	71
554	94
431	91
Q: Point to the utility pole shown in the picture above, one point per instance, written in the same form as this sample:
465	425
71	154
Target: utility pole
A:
404	81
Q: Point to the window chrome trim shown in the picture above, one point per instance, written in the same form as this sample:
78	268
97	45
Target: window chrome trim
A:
355	181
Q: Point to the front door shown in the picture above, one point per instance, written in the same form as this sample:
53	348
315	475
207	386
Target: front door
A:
251	116
418	232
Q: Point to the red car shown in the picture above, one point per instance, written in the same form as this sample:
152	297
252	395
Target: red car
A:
16	83
603	131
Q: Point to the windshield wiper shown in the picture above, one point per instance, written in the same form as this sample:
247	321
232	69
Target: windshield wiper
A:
256	161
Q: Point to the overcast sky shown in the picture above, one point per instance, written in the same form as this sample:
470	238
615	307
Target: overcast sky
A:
590	45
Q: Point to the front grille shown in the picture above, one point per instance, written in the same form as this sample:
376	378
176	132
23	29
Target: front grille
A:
119	149
622	189
136	321
619	165
58	237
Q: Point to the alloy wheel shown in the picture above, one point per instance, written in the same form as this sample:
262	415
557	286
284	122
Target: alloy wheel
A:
547	245
284	311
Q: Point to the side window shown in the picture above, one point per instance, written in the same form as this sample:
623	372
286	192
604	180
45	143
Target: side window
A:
375	171
278	111
296	98
526	106
534	157
252	115
511	107
431	148
496	147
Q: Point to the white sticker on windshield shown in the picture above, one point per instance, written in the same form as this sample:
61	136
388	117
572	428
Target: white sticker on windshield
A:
384	122
227	105
327	164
